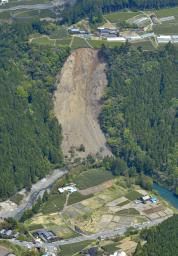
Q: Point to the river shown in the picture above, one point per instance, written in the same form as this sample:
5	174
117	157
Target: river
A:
167	195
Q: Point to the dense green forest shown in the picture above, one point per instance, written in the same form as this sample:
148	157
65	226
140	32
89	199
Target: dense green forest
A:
95	8
161	240
140	110
30	136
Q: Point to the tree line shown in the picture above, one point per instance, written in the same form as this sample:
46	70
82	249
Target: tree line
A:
160	240
30	135
93	9
140	111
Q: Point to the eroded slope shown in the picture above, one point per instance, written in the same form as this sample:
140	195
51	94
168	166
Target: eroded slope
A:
77	102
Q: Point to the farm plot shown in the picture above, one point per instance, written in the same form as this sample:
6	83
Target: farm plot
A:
140	20
53	222
167	12
92	178
79	42
96	189
166	29
120	16
74	249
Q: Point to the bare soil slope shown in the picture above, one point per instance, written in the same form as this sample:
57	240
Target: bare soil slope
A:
77	102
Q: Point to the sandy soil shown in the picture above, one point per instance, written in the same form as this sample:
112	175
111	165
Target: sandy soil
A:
77	103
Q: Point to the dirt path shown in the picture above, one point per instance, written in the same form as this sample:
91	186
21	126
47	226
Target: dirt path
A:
77	103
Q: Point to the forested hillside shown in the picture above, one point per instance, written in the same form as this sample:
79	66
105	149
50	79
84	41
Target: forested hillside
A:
95	8
30	136
161	240
140	111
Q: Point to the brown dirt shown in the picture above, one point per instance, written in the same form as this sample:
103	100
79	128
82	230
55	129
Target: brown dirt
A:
77	102
96	189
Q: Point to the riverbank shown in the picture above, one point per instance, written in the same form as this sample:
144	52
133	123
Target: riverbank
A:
167	195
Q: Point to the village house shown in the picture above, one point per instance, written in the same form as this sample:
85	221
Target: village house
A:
4	2
71	189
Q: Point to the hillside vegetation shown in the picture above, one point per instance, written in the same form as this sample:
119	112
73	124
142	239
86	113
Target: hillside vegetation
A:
95	8
161	240
30	136
140	111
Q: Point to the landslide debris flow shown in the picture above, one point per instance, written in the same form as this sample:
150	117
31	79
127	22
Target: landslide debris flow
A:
77	103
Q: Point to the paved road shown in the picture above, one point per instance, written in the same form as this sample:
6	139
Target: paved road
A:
28	7
38	6
37	189
51	247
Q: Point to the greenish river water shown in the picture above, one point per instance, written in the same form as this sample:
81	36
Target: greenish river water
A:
167	195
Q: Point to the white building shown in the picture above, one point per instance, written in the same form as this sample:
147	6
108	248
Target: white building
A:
175	38
146	198
167	18
164	39
122	253
4	2
70	189
147	35
116	39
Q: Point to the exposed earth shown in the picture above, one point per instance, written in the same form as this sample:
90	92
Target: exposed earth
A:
77	103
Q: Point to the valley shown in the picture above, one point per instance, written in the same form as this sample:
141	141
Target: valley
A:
88	128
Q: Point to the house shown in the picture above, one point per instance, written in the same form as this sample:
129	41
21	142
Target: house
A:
46	236
70	189
6	233
106	31
164	39
145	198
169	18
74	31
175	38
4	2
9	232
153	200
116	39
154	19
77	31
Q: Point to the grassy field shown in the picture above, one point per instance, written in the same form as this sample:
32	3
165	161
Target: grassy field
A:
77	197
92	178
54	204
17	250
34	13
98	43
167	12
166	28
5	15
69	250
120	16
110	248
129	211
79	43
24	2
63	42
133	195
147	45
60	32
44	41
